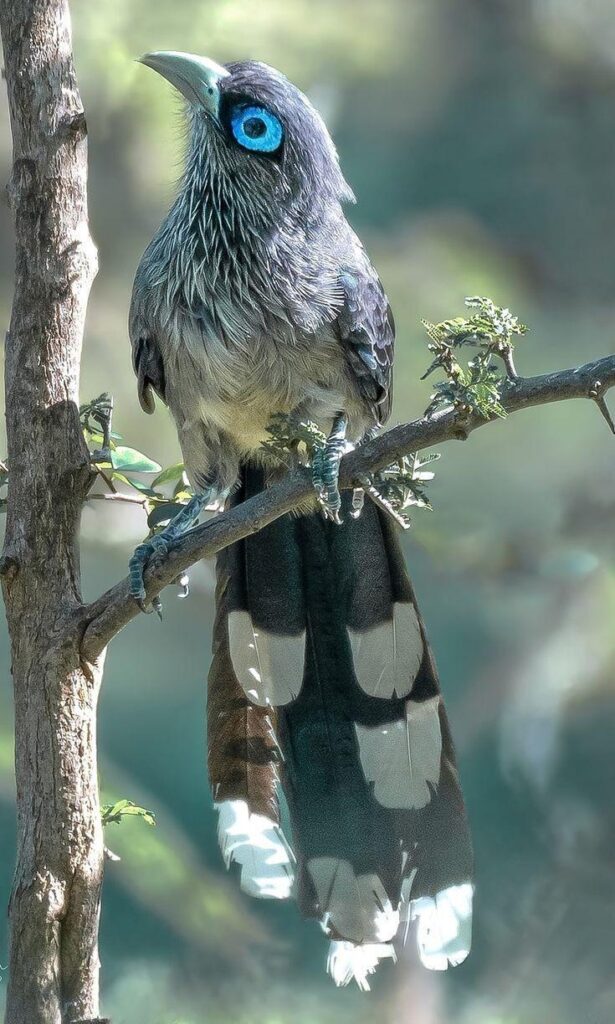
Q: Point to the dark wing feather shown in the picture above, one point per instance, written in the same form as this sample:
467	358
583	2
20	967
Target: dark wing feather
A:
149	368
366	327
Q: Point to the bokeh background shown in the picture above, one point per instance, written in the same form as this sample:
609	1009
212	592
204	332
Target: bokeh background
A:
480	140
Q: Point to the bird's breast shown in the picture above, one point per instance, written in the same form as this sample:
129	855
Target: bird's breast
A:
237	386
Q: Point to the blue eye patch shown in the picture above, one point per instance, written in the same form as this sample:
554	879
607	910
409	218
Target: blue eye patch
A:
257	129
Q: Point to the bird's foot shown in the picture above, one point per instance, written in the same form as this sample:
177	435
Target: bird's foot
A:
326	469
150	551
157	547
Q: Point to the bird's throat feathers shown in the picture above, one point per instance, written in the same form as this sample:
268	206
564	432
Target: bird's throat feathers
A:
242	234
220	225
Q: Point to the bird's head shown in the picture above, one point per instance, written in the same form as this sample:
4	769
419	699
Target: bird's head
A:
255	128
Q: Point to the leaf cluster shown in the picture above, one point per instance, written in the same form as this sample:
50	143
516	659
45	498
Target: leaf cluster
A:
290	436
112	814
402	485
476	387
116	463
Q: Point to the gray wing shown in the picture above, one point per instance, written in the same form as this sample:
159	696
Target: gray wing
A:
149	368
147	360
366	327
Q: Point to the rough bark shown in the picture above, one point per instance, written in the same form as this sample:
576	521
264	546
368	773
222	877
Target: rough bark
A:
54	907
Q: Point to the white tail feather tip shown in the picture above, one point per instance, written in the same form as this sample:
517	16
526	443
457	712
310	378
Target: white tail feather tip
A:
347	961
258	845
444	926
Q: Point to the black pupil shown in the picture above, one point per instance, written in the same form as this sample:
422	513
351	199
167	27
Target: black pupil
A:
254	127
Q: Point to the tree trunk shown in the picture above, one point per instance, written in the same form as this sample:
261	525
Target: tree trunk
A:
55	899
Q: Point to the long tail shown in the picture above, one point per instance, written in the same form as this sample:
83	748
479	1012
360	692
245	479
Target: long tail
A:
319	638
243	757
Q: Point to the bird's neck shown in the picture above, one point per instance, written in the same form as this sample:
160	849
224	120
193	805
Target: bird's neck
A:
218	226
225	246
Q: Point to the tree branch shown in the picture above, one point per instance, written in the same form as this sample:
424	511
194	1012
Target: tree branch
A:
114	609
128	499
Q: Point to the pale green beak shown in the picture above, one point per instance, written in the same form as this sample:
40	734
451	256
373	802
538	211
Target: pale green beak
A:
197	78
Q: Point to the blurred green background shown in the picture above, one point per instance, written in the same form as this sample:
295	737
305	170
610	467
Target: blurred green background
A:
480	140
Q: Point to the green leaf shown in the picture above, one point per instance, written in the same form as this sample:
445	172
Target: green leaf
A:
402	484
131	461
96	436
169	474
163	512
113	813
182	497
138	485
286	434
182	487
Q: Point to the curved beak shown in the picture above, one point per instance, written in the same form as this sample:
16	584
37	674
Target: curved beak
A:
197	78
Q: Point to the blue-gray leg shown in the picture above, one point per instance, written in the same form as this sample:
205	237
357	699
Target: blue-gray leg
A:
358	494
326	469
159	545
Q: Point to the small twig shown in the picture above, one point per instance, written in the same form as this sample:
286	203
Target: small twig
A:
597	394
507	358
108	480
604	409
92	1020
382	503
132	499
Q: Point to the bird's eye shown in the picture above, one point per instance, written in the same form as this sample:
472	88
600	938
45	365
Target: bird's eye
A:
257	129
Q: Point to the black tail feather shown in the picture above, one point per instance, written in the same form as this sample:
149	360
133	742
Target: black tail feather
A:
335	642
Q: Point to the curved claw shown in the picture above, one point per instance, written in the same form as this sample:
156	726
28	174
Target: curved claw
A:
159	546
331	513
156	606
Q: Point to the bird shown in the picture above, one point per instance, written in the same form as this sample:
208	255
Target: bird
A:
255	299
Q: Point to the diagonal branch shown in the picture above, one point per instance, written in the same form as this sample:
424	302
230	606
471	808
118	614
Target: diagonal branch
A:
114	609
